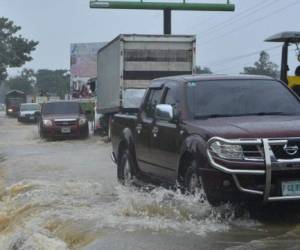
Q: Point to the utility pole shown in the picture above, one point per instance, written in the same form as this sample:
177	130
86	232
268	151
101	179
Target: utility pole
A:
167	21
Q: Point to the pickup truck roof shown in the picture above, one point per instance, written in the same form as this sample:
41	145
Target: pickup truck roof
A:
157	83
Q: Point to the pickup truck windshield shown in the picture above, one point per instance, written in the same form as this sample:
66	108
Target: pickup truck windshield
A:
29	107
221	98
61	108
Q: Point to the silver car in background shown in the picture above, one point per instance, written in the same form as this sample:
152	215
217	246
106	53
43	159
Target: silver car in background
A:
29	112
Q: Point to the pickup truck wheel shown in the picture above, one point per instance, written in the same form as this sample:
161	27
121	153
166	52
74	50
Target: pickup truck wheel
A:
85	133
41	134
193	181
125	168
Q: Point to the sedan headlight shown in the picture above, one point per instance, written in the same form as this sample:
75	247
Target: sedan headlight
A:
47	123
82	121
227	151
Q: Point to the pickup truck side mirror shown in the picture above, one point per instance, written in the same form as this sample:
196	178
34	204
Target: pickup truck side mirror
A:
164	112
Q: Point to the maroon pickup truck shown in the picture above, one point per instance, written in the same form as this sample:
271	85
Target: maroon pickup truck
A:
232	138
63	119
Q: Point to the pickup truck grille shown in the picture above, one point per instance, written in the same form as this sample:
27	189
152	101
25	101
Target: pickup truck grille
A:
252	151
66	123
280	153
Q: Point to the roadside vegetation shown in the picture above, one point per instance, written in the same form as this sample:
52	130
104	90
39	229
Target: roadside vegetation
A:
15	50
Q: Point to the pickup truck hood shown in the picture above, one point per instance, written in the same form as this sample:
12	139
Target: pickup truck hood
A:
246	127
62	117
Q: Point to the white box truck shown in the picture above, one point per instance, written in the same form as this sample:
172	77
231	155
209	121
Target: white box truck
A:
127	64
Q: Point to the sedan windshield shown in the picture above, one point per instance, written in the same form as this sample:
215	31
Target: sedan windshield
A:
221	98
61	108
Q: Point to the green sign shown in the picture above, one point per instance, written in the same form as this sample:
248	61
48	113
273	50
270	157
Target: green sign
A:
162	5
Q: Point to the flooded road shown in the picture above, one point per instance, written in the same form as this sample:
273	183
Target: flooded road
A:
64	195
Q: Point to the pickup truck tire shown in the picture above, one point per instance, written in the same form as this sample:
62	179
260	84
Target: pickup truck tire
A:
85	134
109	129
125	168
193	182
41	134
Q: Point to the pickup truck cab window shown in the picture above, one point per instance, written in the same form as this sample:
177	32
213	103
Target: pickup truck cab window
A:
153	99
171	97
221	98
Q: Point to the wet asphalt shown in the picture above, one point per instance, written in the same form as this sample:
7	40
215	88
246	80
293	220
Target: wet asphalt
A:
64	195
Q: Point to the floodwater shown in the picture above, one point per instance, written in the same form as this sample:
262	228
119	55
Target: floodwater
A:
64	195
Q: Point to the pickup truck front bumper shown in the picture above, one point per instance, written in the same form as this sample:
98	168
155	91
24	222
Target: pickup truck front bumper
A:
269	164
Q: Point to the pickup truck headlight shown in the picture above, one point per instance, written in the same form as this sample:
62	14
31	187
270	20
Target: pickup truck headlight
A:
47	123
82	121
227	151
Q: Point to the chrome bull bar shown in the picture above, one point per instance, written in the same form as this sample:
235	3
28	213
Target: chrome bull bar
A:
269	161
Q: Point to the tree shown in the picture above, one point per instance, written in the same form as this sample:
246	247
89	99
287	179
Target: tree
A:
24	82
263	67
14	49
199	70
55	82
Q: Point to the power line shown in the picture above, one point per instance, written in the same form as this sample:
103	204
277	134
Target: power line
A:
252	22
237	58
243	65
208	19
248	12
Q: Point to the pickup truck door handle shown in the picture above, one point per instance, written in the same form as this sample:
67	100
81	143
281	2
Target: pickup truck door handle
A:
155	131
139	128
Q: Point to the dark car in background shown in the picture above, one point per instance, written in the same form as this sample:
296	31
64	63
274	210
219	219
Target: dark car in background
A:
29	112
63	119
13	100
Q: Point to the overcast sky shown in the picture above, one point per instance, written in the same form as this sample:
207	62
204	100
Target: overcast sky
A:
226	41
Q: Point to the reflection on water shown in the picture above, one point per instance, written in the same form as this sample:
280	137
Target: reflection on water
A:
2	157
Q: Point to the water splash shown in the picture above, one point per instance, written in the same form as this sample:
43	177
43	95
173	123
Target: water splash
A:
74	213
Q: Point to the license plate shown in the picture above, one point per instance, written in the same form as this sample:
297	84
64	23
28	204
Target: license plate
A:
31	117
290	188
66	130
